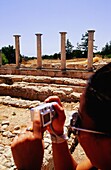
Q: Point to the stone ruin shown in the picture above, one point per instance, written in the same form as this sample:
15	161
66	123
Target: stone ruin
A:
63	50
33	85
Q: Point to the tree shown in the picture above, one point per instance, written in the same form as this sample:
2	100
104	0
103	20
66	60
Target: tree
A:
4	59
69	49
84	45
54	56
9	52
106	50
77	54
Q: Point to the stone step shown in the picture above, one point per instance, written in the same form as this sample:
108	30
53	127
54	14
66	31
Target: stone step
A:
40	87
27	91
18	102
10	79
69	73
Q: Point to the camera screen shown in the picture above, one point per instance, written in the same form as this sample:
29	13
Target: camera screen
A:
47	118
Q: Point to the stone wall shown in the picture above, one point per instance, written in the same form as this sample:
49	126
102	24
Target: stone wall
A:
84	74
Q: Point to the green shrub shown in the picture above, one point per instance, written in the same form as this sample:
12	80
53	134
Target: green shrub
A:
4	59
107	56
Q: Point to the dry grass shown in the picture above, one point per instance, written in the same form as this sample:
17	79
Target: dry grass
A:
46	61
80	61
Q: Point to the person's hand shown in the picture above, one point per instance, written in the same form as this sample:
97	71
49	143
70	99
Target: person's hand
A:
58	122
27	148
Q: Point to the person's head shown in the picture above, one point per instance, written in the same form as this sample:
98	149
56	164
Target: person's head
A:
95	113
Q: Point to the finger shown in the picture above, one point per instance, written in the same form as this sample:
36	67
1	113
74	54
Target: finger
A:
14	141
60	112
53	99
37	130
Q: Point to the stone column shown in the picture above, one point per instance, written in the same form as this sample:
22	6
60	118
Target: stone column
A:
0	57
39	53
17	50
63	50
90	49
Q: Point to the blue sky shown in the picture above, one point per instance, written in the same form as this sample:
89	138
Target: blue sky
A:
49	17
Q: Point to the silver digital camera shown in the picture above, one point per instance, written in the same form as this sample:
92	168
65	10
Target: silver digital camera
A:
47	113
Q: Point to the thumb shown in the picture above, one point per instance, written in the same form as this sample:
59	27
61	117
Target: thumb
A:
37	130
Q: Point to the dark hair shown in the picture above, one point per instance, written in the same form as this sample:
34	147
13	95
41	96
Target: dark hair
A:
98	98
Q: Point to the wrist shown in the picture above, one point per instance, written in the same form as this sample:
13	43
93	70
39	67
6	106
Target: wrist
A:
58	137
57	132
